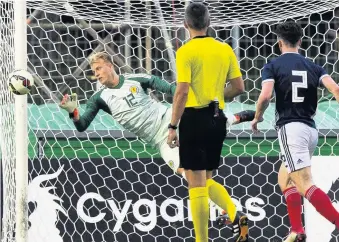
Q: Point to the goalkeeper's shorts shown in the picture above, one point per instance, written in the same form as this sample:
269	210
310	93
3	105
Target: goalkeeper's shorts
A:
201	137
169	155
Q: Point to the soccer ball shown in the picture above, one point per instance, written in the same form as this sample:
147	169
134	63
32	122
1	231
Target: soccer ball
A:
20	82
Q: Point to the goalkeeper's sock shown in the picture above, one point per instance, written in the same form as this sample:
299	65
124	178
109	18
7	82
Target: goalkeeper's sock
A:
219	195
200	212
322	204
293	201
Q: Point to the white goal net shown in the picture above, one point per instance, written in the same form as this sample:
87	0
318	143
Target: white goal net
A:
105	184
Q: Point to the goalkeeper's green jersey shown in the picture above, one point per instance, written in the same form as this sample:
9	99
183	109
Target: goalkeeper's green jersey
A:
130	105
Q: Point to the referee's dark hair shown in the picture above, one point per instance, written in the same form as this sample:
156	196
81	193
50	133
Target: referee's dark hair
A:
197	16
290	32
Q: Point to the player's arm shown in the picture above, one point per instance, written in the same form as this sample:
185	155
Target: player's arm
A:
331	86
70	104
266	92
264	99
156	83
235	85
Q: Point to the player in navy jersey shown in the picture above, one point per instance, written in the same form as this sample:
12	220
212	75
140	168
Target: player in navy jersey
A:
295	80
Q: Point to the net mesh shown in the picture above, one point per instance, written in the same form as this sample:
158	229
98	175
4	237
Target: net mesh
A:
223	13
107	185
7	125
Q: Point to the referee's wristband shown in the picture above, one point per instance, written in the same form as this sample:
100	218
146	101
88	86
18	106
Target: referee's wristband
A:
170	126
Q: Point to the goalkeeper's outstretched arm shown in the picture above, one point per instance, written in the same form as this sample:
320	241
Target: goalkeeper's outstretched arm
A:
156	83
70	104
82	122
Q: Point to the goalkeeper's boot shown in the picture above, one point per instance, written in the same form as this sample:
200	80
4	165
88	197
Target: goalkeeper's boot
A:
244	116
239	225
294	237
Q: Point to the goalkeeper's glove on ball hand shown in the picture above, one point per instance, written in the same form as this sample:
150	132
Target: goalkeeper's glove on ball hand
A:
70	104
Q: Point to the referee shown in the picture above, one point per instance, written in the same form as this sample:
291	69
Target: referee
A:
203	67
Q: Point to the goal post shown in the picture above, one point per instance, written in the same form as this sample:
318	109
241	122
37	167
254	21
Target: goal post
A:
105	184
21	125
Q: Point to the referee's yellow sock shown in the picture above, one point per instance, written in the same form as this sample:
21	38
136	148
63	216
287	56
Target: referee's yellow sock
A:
219	195
200	212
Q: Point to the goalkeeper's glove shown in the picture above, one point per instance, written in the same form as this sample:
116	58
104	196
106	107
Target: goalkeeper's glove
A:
70	104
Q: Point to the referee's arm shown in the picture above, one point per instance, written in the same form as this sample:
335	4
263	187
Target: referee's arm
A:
234	88
183	84
235	85
179	102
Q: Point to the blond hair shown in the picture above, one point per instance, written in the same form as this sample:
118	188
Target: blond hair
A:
100	55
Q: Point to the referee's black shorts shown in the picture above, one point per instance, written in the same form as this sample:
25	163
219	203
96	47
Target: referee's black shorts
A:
201	137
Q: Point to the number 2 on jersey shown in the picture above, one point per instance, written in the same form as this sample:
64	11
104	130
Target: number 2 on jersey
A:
130	99
296	85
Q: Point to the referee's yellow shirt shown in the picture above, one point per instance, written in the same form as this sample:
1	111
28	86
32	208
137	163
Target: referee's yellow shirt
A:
206	64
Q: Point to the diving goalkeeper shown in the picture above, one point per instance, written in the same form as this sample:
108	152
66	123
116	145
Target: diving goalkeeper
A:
125	98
